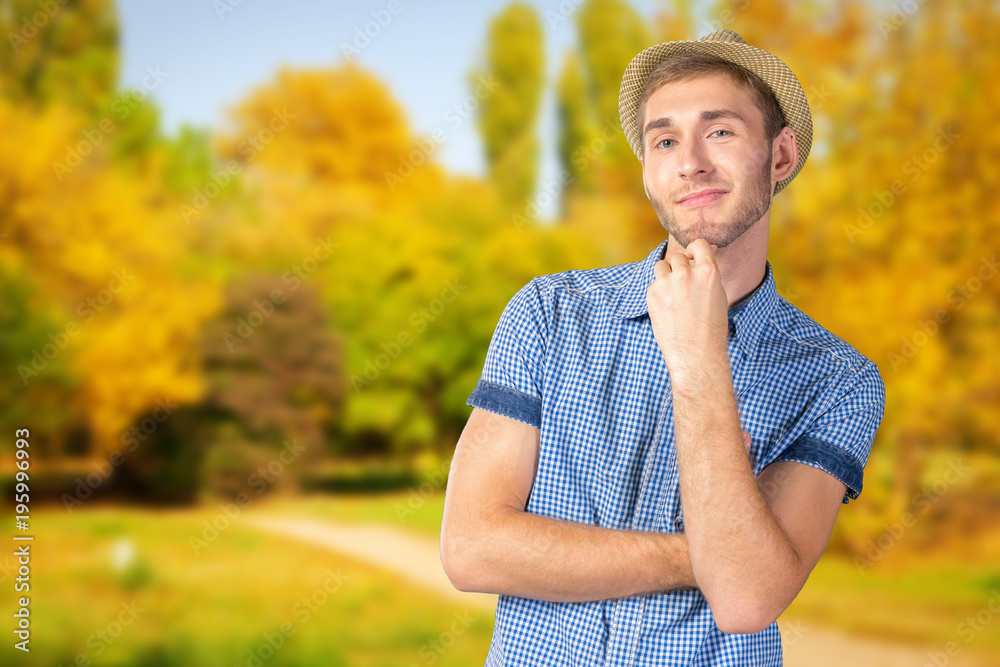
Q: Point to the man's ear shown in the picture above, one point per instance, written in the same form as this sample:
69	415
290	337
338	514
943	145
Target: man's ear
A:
784	155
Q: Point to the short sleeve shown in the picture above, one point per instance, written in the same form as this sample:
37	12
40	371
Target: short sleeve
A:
511	382
840	440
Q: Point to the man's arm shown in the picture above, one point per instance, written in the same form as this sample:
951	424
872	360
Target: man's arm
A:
490	544
752	542
750	551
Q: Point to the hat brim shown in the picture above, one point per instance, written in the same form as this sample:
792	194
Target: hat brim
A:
778	77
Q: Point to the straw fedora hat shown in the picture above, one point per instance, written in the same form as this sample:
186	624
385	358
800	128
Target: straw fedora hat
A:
730	46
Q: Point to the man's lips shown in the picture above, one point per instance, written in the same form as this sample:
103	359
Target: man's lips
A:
701	198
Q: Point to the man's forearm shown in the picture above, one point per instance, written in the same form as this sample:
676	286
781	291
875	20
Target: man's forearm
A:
533	556
739	553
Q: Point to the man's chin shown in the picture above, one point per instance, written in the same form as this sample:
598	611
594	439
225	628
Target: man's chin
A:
712	233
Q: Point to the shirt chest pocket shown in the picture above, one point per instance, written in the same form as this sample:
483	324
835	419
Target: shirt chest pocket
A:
764	435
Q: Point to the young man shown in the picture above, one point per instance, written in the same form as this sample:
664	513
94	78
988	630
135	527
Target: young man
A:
658	450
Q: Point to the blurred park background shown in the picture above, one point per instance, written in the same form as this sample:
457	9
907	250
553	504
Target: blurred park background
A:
214	329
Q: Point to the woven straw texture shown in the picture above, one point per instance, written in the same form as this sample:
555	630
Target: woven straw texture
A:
729	45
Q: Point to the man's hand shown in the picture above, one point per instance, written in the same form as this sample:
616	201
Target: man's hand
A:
687	308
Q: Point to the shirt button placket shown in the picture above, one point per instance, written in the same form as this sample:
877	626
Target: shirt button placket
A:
625	632
629	613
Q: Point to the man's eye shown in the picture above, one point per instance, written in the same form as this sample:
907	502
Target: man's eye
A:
727	132
663	141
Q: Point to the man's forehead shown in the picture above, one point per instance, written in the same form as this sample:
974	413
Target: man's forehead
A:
716	91
709	89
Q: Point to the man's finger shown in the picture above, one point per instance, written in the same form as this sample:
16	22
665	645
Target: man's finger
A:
677	259
701	251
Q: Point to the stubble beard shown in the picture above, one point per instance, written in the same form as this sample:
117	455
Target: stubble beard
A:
749	209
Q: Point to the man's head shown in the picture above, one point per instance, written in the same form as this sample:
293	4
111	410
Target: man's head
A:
719	127
714	144
755	67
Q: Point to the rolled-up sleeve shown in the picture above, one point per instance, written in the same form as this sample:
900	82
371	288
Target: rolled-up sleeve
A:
511	382
840	440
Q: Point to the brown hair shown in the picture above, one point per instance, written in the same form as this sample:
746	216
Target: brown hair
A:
692	64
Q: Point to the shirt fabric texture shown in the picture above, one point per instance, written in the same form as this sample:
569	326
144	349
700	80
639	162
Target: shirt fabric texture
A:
574	355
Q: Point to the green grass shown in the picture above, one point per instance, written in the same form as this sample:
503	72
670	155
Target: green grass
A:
218	608
212	608
921	601
914	600
406	510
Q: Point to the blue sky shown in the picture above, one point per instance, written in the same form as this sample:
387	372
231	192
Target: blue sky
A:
213	58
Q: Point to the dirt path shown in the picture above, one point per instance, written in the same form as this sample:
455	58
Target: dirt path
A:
414	558
417	559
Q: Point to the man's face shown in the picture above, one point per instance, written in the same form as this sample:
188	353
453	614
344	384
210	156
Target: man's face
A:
706	164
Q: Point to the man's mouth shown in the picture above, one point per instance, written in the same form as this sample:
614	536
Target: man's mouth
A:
702	198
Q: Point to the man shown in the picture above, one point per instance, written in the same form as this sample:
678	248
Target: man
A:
658	450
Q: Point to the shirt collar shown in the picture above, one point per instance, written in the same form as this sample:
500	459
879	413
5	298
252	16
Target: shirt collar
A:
749	316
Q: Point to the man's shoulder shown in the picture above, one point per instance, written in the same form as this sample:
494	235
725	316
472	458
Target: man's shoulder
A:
793	328
585	284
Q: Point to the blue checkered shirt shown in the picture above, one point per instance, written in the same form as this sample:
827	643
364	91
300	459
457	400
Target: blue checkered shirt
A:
574	355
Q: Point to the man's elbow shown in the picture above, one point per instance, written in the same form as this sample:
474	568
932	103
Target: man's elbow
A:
747	603
747	612
740	620
460	562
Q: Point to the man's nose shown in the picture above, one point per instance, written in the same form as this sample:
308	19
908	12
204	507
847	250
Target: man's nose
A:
692	159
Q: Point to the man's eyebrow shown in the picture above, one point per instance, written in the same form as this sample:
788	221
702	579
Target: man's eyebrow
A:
713	114
657	124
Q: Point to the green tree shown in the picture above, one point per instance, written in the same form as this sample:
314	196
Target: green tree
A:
576	125
59	50
507	116
272	373
611	33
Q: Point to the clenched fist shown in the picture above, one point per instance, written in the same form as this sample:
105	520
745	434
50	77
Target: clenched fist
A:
688	309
